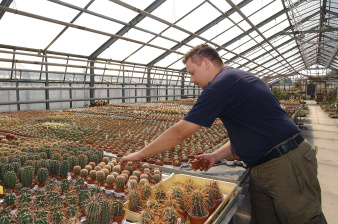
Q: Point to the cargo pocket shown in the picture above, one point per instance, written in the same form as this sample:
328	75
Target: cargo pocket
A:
296	174
310	155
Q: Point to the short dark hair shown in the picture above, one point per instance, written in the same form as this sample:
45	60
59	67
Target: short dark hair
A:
201	51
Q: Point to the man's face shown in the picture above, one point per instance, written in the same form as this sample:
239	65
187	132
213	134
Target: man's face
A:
198	73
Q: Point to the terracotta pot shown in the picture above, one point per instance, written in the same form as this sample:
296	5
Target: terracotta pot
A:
118	219
211	210
195	164
196	219
107	187
119	190
205	164
2	195
184	215
218	202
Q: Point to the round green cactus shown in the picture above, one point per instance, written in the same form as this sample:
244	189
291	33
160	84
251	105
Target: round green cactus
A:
92	175
105	160
72	162
82	160
198	204
84	173
93	212
57	217
157	178
42	175
72	211
100	176
9	199
110	180
76	170
10	179
117	207
25	218
6	220
65	185
170	215
117	169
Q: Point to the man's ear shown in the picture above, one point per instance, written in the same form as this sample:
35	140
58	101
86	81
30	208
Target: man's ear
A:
206	63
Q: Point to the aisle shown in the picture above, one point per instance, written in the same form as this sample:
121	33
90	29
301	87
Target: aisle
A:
322	131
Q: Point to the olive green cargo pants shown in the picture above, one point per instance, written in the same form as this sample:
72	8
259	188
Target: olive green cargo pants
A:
286	189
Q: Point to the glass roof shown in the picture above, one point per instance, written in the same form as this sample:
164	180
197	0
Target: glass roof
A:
268	38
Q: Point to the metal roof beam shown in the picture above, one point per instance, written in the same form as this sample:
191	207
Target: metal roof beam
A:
125	29
64	29
322	24
200	31
6	3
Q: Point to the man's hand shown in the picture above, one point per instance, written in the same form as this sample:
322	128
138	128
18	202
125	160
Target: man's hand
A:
136	157
209	157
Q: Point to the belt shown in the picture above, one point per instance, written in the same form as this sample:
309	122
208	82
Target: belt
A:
277	152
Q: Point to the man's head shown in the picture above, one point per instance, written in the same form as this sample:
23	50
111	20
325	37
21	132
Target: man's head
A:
203	63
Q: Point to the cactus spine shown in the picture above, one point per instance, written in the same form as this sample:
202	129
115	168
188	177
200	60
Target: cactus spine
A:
120	182
117	207
83	160
93	212
42	175
64	168
71	211
65	185
110	180
72	162
84	173
77	170
10	179
170	215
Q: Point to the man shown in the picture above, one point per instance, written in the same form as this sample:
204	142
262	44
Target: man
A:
283	185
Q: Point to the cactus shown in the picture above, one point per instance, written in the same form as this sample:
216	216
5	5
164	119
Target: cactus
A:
65	185
198	205
137	173
5	169
129	168
134	200
10	179
43	163
105	212
117	169
71	211
76	170
160	194
144	176
84	173
108	167
42	175
170	215
54	166
147	215
93	212
23	159
157	178
210	202
41	221
115	174
117	207
97	168
9	199
132	184
100	176
25	218
72	162
178	195
18	186
56	156
6	220
64	168
110	180
92	175
106	172
27	176
145	191
83	160
89	168
105	160
120	182
216	191
57	217
16	166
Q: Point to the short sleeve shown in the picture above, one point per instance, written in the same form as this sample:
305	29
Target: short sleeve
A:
208	107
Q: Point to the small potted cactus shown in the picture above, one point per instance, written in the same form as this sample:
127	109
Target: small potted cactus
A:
10	179
197	212
100	177
92	177
119	184
106	214
93	212
109	182
42	176
134	200
118	211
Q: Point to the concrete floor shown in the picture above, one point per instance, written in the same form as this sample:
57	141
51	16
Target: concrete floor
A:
320	130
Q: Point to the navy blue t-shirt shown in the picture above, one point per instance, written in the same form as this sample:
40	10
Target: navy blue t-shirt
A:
250	112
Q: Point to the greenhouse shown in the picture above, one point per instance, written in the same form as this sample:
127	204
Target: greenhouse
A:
141	109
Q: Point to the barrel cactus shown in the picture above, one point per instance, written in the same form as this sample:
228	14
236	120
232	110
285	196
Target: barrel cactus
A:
57	217
27	175
93	212
105	215
6	220
170	215
117	207
117	169
92	175
10	179
82	160
157	178
64	168
110	180
65	185
54	166
42	175
72	211
100	177
77	170
198	203
105	160
84	173
72	162
120	182
134	200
